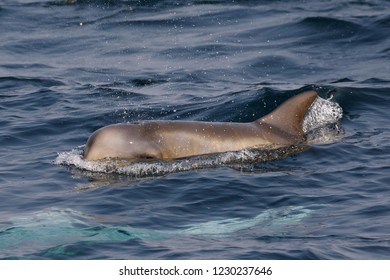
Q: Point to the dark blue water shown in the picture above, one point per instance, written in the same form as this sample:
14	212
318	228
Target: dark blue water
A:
68	67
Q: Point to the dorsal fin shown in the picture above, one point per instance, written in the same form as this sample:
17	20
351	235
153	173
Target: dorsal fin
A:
289	116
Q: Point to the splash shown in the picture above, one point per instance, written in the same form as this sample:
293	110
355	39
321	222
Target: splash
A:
320	124
321	113
149	168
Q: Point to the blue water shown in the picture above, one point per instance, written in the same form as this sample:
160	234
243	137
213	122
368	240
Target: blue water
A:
68	67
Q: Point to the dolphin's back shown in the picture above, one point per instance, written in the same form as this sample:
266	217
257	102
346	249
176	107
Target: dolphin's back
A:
177	139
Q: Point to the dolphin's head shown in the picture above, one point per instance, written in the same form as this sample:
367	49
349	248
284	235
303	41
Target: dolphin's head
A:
119	141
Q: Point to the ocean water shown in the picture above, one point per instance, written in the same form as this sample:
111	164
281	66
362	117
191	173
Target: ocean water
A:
69	67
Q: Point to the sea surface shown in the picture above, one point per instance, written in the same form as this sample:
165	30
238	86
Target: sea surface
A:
69	67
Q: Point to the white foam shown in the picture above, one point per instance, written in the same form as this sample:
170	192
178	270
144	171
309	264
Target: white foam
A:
162	167
321	123
321	113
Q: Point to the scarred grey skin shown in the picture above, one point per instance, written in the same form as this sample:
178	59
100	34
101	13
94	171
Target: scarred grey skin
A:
178	139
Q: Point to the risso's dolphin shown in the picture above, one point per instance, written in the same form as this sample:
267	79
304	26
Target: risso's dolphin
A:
178	139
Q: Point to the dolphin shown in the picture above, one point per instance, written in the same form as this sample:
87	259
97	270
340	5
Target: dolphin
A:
181	139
